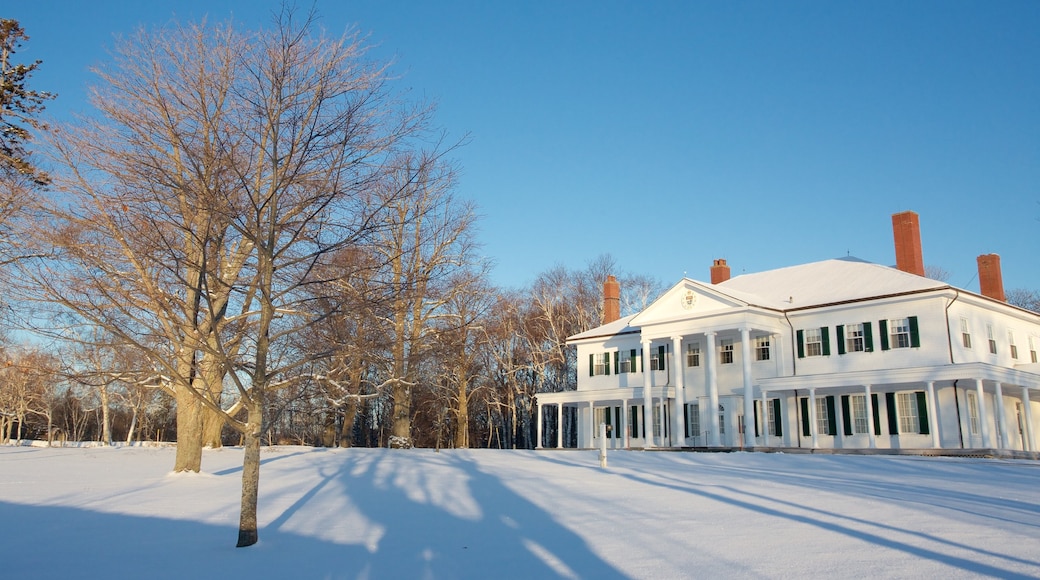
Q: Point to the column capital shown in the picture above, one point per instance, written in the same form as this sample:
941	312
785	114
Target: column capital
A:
678	338
711	333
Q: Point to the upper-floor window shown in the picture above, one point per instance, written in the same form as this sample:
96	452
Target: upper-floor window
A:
992	341
657	359
693	354
813	342
726	352
600	364
626	361
762	348
965	333
1011	343
854	338
1032	349
899	333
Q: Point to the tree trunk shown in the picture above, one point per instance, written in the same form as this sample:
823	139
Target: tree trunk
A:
106	418
247	532
462	427
189	432
212	374
346	435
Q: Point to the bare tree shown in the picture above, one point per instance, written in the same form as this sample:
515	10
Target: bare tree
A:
1028	299
20	108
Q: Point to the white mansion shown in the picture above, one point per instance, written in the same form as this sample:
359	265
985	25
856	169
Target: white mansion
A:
838	354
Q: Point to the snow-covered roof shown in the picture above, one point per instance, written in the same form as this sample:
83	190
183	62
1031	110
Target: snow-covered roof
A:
824	282
619	326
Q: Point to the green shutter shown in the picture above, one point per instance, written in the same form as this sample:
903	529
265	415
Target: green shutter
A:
875	409
632	363
592	365
606	363
883	327
825	338
868	337
915	335
635	422
617	363
805	417
801	344
756	419
606	416
840	336
832	417
922	412
660	358
776	417
846	414
893	419
686	419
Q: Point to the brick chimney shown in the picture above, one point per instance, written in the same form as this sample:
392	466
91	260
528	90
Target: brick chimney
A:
611	300
906	229
719	271
991	282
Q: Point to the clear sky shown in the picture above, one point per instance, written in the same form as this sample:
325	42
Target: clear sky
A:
671	133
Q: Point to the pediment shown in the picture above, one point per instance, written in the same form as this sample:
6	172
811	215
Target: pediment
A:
687	299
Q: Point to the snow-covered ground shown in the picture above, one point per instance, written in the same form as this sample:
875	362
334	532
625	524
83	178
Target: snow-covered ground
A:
376	513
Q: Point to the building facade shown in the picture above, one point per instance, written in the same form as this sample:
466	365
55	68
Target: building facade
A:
838	354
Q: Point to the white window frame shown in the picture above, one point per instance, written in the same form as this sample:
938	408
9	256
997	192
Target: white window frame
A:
813	342
655	360
726	352
1011	343
906	410
624	364
858	414
823	420
693	419
992	341
899	333
854	338
973	413
965	333
771	417
762	348
1032	349
601	361
693	354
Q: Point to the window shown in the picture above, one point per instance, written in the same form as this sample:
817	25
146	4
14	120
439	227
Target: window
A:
973	413
899	330
823	418
1011	343
693	354
906	404
626	362
965	334
1032	349
854	338
992	342
693	420
813	342
858	404
722	420
771	416
599	364
657	359
726	352
762	348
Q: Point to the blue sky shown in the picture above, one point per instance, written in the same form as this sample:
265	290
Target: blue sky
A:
671	133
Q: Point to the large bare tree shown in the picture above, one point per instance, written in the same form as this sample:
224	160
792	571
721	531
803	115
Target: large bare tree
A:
192	217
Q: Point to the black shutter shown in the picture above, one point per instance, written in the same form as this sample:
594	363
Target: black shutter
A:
825	337
776	417
756	419
893	419
660	358
832	417
592	365
617	363
922	412
875	409
883	327
801	344
846	414
868	337
805	417
606	419
632	363
915	335
686	419
606	363
840	336
635	422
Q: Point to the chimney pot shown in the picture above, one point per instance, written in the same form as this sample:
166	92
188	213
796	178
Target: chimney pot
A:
719	271
906	229
611	300
991	281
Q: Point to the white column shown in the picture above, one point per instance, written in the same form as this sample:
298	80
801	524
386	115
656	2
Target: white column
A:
538	444
648	398
983	418
812	417
839	422
749	393
624	423
1001	418
870	417
765	420
678	370
559	426
933	416
1028	418
592	425
713	390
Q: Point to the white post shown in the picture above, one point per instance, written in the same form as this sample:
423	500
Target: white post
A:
812	417
713	390
538	444
624	423
933	416
983	419
678	370
592	424
749	393
1001	418
870	417
765	420
602	444
648	398
1030	443
559	425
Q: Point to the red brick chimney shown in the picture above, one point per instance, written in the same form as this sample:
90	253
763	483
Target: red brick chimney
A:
611	300
719	271
991	282
907	232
